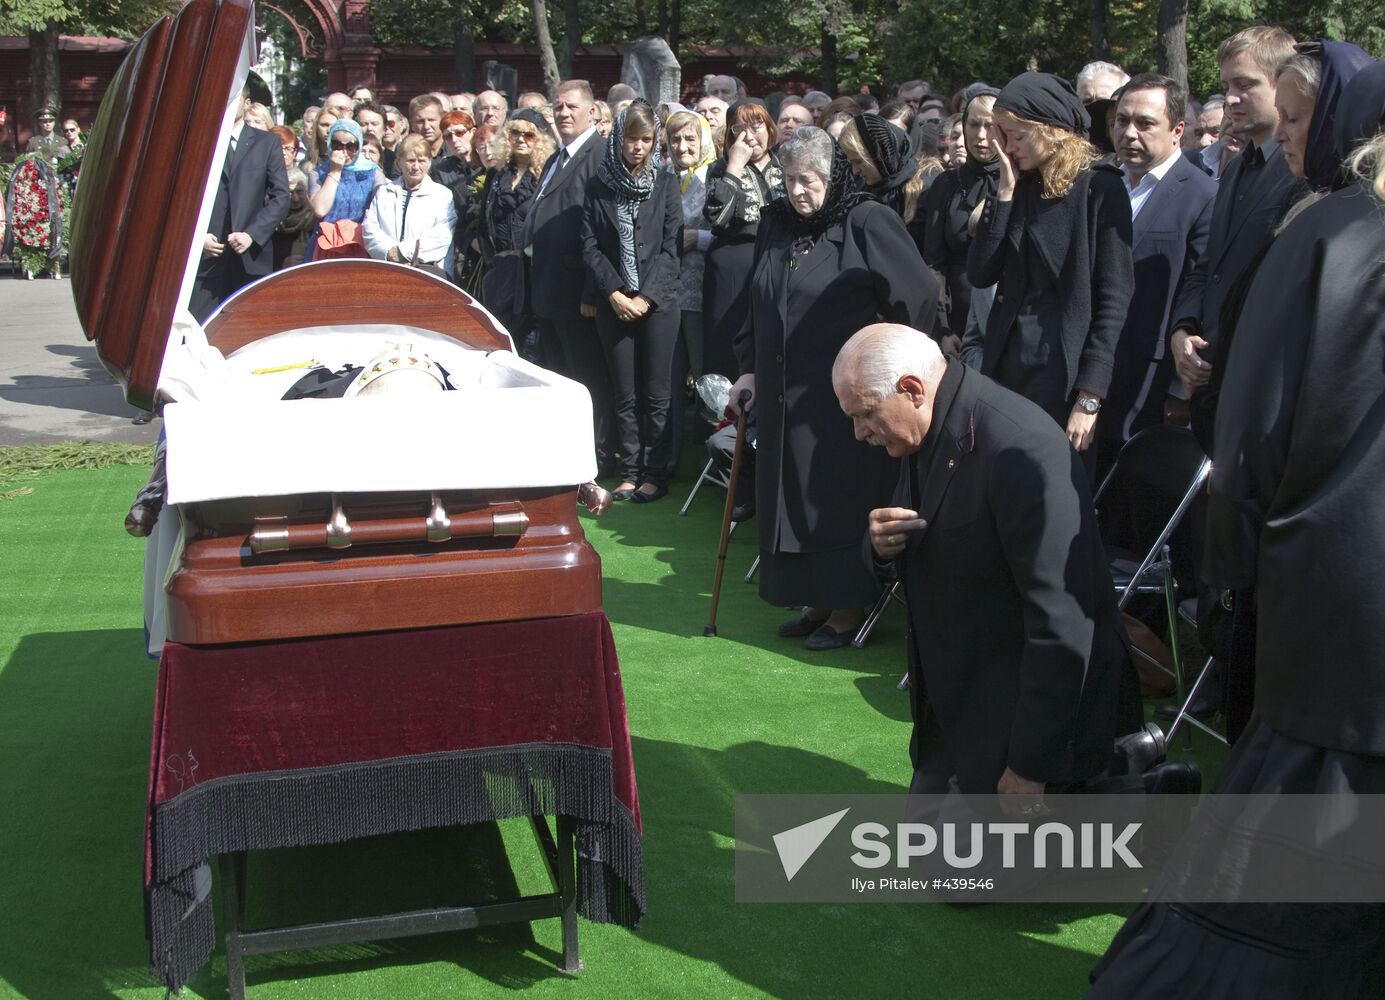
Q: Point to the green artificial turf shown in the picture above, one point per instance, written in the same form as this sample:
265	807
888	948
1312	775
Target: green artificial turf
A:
710	718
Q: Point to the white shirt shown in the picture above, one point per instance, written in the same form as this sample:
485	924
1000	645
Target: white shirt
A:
571	149
236	130
1139	194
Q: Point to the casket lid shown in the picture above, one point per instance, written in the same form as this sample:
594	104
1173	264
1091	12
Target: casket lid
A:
144	181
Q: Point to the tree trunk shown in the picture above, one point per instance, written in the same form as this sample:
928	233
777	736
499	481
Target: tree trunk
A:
572	37
828	82
1173	40
1101	48
675	25
45	86
661	13
547	59
464	56
641	20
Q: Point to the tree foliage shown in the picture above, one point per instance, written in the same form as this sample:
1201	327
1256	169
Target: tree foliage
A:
118	18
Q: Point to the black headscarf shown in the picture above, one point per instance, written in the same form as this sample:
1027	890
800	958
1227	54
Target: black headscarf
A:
844	192
1043	97
1339	62
533	118
1360	110
889	148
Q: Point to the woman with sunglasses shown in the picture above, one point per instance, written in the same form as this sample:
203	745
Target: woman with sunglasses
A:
505	204
343	184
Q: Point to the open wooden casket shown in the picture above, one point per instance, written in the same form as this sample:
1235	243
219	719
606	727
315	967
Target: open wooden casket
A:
313	517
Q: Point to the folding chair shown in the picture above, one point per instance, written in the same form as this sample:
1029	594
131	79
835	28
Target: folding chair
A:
710	474
890	593
1187	611
1162	472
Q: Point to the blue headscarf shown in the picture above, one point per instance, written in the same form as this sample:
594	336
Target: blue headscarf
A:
351	128
1339	62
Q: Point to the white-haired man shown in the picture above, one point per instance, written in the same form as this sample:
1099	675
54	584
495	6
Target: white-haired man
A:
1021	674
1097	81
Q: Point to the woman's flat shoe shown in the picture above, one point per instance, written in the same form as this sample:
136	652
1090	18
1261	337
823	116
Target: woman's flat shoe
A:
649	496
826	637
623	493
800	626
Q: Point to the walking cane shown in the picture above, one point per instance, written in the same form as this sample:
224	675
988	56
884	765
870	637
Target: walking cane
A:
710	629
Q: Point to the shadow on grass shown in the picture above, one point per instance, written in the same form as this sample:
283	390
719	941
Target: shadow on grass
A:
827	950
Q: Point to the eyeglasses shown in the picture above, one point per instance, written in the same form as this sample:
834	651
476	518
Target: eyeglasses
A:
70	129
288	149
456	133
346	146
519	133
50	121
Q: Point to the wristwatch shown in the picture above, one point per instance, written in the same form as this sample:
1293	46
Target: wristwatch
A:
1089	405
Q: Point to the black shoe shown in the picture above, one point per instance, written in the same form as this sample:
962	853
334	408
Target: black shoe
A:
645	496
623	494
1177	777
798	627
826	637
743	511
142	419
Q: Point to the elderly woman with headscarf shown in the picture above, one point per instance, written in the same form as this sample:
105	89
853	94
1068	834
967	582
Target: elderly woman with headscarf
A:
691	154
950	203
1055	240
631	226
829	260
739	187
410	220
342	186
1294	510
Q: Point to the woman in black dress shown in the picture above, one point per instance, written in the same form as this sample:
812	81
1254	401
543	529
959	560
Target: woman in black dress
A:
739	187
632	224
888	164
828	261
1055	240
505	204
948	206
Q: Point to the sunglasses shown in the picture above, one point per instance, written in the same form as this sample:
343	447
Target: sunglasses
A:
49	120
519	133
457	132
346	145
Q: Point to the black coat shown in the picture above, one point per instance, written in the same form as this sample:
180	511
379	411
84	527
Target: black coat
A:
1082	245
947	206
1016	646
658	242
1296	506
815	482
1170	237
1249	208
557	273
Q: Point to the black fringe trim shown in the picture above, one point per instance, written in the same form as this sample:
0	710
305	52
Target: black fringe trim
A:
331	804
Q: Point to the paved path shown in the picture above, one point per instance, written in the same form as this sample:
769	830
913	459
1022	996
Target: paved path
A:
52	385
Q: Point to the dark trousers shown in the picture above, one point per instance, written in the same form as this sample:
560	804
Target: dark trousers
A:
218	278
640	357
571	347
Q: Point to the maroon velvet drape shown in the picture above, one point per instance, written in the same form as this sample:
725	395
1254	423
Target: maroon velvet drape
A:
313	741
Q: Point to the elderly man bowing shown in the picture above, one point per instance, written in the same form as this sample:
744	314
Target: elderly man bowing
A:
1016	652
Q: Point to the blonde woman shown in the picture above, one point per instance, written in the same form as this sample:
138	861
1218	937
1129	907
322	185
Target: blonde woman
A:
882	156
521	151
1055	240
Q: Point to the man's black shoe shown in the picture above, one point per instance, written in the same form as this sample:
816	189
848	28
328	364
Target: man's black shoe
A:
743	511
1176	777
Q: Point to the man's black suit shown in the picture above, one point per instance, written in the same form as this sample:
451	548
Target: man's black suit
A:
1017	653
1170	238
1255	191
558	280
252	197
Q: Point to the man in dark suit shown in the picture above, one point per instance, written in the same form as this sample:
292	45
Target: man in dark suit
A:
1021	674
1254	193
558	274
1171	204
252	197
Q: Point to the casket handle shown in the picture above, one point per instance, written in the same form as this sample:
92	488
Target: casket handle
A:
340	532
